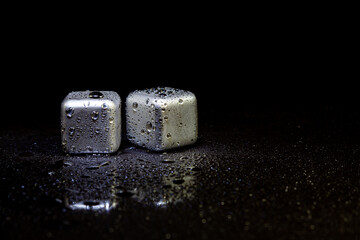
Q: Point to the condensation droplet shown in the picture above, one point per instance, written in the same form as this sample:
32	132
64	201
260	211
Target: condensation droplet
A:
71	131
69	112
135	106
149	126
96	94
94	115
168	135
181	101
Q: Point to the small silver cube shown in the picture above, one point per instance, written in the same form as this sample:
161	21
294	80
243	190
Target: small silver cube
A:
91	122
161	118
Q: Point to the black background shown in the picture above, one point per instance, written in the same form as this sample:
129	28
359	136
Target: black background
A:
233	59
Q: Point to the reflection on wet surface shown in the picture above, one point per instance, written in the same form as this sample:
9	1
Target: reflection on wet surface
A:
232	184
92	205
100	182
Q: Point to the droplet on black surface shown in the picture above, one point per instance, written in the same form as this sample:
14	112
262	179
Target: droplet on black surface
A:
104	164
93	167
166	160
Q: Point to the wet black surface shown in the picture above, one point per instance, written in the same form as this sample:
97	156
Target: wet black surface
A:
251	175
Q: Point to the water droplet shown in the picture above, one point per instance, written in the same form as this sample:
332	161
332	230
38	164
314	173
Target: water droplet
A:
149	126
78	119
181	101
96	94
111	120
93	167
94	115
69	112
105	164
71	131
104	106
135	106
168	135
166	160
97	130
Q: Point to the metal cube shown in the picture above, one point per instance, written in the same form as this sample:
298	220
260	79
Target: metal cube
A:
91	122
161	118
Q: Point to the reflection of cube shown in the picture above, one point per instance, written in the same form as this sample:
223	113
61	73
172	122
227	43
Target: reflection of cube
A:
161	118
91	122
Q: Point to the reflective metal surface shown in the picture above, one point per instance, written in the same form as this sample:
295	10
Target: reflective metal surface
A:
161	118
91	122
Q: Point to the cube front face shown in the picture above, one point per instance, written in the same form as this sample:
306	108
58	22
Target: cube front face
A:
161	118
91	122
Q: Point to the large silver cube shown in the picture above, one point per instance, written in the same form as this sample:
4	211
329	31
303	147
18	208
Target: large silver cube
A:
161	118
91	122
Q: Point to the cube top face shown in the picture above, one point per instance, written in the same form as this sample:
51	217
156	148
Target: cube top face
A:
91	122
162	118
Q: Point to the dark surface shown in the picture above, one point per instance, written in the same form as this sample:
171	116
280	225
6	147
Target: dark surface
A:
266	174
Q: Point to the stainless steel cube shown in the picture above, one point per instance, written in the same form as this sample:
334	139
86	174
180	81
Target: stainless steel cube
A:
161	118
91	122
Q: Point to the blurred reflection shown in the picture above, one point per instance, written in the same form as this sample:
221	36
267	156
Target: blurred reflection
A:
92	205
103	183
